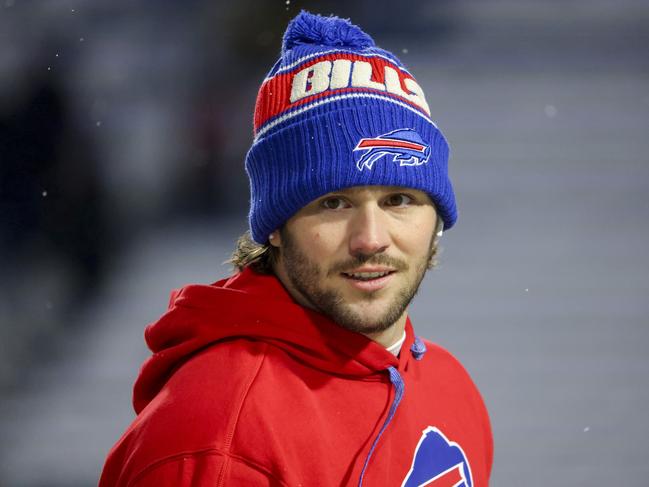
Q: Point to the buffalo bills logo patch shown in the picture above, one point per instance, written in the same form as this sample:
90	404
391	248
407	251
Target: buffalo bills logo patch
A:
403	146
438	462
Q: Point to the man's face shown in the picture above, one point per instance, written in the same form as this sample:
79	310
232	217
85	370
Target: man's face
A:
358	255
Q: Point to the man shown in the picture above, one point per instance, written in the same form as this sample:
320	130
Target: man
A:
303	367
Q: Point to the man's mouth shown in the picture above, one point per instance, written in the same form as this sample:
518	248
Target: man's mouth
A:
367	275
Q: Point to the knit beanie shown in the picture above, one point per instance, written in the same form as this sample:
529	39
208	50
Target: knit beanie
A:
336	111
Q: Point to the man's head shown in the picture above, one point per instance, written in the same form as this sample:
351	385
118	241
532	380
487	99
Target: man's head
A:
339	121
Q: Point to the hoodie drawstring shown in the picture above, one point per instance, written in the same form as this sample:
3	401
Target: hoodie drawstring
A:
397	382
418	349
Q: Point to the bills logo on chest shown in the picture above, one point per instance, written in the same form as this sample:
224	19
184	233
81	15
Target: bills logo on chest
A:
438	462
309	83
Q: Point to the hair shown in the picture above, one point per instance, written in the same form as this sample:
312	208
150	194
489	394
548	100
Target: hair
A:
262	257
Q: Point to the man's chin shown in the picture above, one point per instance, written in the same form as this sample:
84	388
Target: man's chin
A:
367	329
366	318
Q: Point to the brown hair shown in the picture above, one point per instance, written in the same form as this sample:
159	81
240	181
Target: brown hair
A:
262	257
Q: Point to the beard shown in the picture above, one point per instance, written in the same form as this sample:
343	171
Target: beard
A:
305	275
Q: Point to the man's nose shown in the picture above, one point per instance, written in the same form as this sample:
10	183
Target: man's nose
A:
369	233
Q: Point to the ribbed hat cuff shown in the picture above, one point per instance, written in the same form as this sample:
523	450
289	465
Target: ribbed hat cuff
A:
314	156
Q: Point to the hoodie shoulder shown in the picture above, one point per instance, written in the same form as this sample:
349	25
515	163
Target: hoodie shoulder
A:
447	369
195	412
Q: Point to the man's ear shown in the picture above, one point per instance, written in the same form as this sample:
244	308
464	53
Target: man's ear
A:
275	239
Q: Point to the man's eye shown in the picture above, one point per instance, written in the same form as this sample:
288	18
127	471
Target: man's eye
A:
399	200
333	203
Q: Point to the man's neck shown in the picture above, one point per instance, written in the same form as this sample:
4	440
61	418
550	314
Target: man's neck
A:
395	348
392	334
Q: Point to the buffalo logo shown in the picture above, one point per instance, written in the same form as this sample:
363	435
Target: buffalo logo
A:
405	146
438	462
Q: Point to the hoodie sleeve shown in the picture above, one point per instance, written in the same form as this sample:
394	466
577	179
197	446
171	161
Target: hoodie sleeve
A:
205	468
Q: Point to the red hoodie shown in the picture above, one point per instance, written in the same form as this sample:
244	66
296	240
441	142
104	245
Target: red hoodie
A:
247	388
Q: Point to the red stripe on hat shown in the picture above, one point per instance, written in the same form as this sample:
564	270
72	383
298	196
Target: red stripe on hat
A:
402	144
274	94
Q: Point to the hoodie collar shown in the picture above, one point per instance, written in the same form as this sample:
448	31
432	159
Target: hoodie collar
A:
256	306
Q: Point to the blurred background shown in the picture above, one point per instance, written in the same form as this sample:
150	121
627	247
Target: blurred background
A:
123	129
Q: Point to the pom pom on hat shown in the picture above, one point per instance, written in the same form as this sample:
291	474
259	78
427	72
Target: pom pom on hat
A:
308	28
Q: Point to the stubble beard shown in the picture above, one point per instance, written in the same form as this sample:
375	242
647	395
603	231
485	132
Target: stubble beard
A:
304	275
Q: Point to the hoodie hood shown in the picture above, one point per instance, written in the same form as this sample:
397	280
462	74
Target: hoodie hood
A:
258	307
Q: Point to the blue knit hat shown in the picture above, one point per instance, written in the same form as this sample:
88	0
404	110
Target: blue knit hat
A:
337	111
